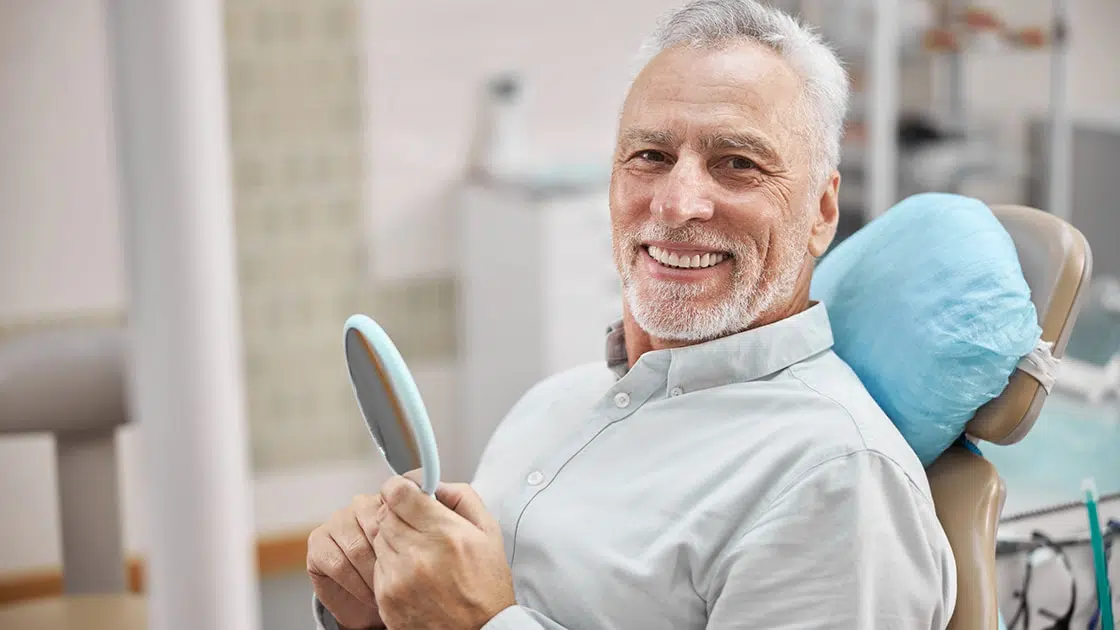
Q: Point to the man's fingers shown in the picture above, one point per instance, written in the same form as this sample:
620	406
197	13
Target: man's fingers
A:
464	501
406	500
397	534
366	508
384	551
416	476
381	573
347	533
331	562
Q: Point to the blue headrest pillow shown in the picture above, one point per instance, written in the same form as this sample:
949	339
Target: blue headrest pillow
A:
929	307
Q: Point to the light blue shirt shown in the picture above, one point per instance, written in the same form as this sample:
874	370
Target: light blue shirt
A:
746	482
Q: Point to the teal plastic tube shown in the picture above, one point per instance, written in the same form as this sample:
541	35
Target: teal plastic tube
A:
1100	566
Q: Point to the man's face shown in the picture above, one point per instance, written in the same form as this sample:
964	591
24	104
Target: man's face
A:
714	208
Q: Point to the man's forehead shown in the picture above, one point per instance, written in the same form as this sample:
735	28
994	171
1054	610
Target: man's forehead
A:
711	92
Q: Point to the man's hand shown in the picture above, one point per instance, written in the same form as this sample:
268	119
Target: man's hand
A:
340	561
440	562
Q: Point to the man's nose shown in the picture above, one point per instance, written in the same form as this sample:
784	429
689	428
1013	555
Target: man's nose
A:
683	196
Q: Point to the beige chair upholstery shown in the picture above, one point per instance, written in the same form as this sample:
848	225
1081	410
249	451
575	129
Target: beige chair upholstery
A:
72	384
967	490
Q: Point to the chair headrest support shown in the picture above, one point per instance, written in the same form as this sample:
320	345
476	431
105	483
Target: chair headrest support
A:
1057	263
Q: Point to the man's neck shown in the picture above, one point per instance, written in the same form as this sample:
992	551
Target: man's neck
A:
639	342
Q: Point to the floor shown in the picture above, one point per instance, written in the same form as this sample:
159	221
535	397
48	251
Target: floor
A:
286	603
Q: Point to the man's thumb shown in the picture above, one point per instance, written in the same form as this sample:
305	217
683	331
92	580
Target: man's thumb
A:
464	501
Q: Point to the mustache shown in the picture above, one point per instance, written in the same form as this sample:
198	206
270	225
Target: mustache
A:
691	234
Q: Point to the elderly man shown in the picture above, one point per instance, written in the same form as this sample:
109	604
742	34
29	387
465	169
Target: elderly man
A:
723	468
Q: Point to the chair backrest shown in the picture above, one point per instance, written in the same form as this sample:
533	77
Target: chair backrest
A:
967	490
72	384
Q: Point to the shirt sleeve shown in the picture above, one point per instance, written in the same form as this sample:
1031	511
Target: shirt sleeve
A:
521	618
853	544
512	618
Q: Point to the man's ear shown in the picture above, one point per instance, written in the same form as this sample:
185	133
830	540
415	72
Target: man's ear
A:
826	217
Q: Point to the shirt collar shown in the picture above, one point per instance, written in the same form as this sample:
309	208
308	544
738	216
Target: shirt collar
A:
745	356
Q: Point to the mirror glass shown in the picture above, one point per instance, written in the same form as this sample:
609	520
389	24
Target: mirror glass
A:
389	401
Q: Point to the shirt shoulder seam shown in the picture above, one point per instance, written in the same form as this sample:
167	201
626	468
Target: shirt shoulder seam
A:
866	448
832	399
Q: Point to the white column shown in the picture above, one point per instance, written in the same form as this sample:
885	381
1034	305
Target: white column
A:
186	377
882	130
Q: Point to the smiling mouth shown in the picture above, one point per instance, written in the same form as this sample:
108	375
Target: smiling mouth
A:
685	259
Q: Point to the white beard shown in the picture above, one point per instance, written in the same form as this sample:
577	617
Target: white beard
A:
669	310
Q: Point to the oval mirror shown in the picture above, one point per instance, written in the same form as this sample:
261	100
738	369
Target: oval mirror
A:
390	402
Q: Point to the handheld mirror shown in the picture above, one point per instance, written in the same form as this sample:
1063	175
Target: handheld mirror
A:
390	402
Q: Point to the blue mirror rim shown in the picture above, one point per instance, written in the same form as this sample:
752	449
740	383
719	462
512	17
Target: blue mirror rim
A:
391	366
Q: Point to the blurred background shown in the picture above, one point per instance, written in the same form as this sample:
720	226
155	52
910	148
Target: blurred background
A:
438	165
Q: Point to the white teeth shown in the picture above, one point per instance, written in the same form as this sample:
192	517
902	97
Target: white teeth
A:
695	261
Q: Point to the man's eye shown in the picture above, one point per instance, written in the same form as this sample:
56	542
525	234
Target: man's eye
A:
651	155
740	163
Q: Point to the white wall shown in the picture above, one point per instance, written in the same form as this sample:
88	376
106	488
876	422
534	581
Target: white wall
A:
427	61
59	243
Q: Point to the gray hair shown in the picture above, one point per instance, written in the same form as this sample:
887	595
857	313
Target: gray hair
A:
717	23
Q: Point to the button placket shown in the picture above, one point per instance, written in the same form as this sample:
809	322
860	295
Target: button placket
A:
615	407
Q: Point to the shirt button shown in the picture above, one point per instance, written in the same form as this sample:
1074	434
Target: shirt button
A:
535	478
622	400
676	391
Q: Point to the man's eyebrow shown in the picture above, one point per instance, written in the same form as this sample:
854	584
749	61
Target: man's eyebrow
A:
655	137
749	142
753	144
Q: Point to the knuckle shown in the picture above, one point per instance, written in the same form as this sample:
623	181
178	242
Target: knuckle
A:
327	562
418	565
456	542
424	566
366	514
359	550
351	545
314	538
396	493
390	594
316	549
334	562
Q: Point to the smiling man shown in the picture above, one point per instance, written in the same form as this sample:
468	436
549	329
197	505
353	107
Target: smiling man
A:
723	468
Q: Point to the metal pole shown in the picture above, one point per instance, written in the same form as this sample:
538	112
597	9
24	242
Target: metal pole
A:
1059	185
185	375
955	60
883	111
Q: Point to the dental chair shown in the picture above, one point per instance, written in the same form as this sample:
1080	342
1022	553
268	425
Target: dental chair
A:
967	490
72	384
